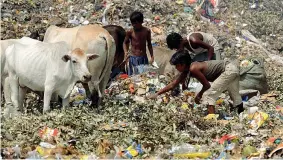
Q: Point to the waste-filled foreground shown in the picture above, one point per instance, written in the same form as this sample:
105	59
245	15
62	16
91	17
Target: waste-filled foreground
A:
130	126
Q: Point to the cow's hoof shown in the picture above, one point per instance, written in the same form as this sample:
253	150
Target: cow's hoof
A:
11	112
46	111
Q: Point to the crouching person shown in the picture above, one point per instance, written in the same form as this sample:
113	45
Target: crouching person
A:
224	75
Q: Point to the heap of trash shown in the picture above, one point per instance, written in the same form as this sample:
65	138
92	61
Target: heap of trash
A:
128	125
131	126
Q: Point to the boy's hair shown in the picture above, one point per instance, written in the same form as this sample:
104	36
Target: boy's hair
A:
181	57
136	16
173	40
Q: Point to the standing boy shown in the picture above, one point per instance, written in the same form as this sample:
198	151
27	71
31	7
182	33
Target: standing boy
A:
224	75
138	36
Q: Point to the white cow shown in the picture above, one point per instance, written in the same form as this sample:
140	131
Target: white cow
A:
48	67
4	70
92	39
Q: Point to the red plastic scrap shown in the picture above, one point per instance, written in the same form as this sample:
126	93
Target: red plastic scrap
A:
123	76
226	137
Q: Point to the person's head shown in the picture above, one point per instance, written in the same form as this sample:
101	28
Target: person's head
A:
181	60
136	19
174	40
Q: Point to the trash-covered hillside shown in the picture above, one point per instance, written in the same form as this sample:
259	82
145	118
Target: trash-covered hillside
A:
128	125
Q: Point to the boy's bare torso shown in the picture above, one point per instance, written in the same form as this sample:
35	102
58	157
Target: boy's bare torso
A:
138	41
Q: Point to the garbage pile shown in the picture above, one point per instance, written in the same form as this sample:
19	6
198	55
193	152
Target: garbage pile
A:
131	126
173	126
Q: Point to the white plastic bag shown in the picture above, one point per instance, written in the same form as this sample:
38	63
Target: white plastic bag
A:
253	102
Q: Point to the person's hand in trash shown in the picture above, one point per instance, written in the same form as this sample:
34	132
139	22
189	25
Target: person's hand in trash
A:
151	60
198	98
126	59
152	96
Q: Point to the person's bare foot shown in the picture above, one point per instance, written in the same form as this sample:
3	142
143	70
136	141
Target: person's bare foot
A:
211	109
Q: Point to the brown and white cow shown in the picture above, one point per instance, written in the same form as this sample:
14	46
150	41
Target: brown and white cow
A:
92	39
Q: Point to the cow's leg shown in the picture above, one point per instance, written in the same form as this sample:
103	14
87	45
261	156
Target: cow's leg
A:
94	92
87	90
22	94
7	91
48	90
14	84
54	97
103	84
65	102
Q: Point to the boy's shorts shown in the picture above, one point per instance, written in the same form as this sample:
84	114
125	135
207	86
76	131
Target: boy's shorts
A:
227	81
135	61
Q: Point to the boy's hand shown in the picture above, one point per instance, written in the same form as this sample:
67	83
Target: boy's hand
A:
151	60
125	61
198	98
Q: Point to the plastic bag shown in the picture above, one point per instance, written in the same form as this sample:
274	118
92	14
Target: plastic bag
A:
145	68
253	102
184	148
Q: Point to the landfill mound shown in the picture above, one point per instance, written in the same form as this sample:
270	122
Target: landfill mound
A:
157	125
131	126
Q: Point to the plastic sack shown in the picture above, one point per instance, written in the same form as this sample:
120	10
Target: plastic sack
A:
253	76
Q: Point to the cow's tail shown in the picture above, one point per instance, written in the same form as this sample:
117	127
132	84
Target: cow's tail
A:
108	62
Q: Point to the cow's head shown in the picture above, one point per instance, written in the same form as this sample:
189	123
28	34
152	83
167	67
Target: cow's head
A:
78	60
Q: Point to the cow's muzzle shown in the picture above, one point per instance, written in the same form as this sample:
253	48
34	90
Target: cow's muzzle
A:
86	78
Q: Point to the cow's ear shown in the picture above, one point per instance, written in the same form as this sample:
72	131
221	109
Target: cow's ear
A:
92	56
66	57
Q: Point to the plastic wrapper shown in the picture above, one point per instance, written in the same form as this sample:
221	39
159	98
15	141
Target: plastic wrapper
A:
187	151
132	151
48	134
211	117
246	63
280	112
78	96
257	119
192	155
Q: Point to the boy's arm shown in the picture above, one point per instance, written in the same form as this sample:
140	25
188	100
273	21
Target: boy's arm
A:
126	44
173	84
149	45
196	71
202	44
